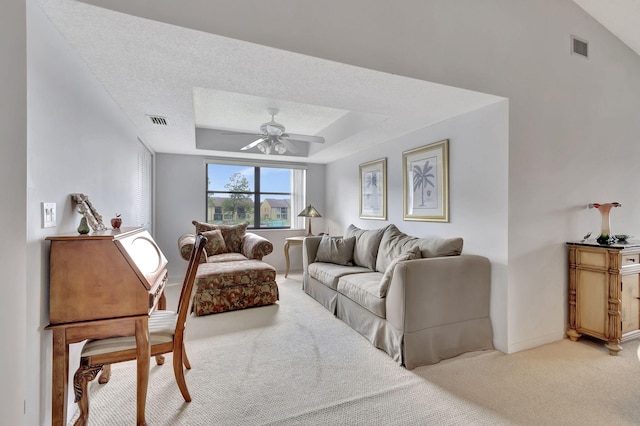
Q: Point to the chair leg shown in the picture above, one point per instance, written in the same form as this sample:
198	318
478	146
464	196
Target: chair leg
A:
178	371
81	379
185	360
159	359
105	375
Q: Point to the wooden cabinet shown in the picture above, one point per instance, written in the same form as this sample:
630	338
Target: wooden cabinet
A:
101	285
604	291
105	274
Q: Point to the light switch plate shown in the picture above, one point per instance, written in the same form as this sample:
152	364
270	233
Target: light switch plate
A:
48	215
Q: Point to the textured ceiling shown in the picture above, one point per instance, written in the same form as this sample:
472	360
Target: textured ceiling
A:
197	79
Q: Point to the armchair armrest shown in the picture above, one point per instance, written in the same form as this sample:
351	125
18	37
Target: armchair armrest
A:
255	247
185	246
309	251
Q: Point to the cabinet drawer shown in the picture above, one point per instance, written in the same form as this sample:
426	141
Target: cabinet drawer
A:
593	258
630	259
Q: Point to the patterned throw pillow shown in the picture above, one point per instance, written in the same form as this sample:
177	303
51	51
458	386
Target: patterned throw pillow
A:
232	234
215	243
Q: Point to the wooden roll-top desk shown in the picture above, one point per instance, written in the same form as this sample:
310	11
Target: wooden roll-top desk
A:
102	284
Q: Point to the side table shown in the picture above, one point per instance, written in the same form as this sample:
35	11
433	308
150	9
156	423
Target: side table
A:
291	241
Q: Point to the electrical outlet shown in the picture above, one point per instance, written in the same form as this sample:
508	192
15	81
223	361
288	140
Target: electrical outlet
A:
48	215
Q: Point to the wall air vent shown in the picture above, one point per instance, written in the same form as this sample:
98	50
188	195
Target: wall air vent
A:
579	47
156	119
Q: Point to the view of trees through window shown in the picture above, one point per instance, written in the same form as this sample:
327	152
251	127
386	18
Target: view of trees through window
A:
258	195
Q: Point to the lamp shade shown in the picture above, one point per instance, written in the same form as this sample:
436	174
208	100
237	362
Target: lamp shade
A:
309	211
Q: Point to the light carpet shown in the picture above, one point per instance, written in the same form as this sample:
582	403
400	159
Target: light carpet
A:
295	364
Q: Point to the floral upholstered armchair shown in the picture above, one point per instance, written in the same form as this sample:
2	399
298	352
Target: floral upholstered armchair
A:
231	274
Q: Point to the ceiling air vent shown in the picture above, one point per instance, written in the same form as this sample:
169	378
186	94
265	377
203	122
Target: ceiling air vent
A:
160	121
579	46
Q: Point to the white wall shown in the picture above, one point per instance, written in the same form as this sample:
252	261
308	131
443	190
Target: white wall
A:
478	183
180	198
573	122
572	134
13	166
78	141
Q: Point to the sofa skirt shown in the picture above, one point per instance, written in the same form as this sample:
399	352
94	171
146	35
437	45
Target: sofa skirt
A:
421	347
376	329
324	295
433	344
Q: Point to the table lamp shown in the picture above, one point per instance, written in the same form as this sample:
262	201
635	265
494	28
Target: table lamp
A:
309	212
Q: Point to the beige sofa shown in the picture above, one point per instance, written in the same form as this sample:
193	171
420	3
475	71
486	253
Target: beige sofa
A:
420	300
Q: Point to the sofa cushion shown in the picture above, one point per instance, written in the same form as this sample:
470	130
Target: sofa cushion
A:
363	290
226	257
232	234
394	243
215	243
329	273
365	250
336	250
414	253
227	274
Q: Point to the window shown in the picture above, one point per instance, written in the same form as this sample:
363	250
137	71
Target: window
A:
266	197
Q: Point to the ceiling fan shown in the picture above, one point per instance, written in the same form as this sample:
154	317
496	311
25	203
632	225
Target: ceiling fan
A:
274	139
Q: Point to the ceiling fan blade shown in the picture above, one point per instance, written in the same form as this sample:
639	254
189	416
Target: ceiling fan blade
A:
291	146
306	138
252	144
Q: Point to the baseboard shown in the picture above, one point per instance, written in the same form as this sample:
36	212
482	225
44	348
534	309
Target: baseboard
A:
538	341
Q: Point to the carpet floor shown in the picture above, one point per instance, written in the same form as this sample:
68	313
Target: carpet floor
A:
293	363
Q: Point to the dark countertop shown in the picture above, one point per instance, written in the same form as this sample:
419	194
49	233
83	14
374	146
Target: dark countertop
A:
617	245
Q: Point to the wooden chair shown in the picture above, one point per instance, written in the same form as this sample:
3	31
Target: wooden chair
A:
166	334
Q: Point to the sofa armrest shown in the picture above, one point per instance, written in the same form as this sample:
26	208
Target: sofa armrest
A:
309	251
255	246
185	246
435	291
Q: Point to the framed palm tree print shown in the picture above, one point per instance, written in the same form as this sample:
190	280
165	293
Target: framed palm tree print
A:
426	182
373	190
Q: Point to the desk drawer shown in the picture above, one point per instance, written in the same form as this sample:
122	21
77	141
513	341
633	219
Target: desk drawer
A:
630	259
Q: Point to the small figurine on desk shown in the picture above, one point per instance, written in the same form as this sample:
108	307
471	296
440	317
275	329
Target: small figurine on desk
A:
83	228
605	233
116	222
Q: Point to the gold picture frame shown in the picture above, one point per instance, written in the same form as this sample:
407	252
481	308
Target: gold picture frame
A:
373	190
425	182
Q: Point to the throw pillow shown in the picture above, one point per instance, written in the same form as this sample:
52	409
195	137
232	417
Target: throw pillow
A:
215	243
365	250
414	253
336	250
394	243
232	234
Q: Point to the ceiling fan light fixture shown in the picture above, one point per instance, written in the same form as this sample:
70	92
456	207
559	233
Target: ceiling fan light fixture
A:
279	147
269	146
271	137
264	147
